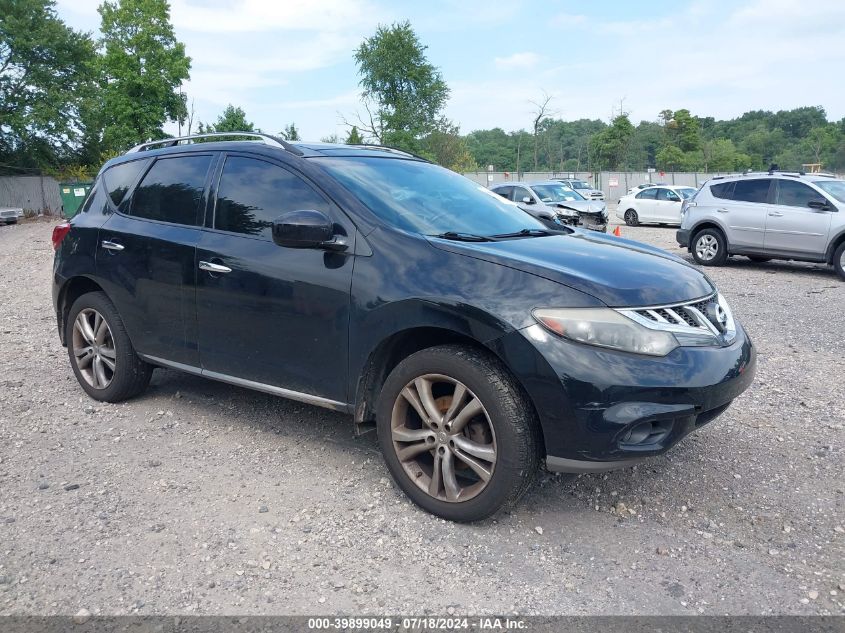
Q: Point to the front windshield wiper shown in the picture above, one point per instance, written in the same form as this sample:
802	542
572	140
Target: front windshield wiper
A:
463	237
525	233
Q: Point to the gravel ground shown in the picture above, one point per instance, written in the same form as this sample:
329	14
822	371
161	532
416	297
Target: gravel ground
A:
199	497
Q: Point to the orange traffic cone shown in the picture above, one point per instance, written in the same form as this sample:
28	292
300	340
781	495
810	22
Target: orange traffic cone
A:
617	232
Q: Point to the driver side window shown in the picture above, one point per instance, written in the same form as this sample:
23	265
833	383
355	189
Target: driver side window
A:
519	193
667	195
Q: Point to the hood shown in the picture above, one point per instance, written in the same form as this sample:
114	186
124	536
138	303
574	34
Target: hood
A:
618	272
579	206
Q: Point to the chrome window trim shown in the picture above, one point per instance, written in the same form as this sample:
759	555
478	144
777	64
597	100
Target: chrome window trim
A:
251	384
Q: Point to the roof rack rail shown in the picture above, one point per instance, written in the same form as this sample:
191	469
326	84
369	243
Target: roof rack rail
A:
267	139
394	150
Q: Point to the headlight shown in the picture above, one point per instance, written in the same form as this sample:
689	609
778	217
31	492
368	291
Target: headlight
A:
604	327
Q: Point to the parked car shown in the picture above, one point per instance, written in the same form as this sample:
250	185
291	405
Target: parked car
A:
565	205
582	187
368	281
772	215
661	205
10	215
640	187
553	216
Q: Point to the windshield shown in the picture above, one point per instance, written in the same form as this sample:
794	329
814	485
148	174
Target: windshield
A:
579	184
427	199
835	188
686	192
556	193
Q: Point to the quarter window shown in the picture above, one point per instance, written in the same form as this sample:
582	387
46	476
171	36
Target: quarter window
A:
756	190
722	190
119	178
172	189
795	194
253	193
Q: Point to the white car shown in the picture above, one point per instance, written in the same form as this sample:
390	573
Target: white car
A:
660	205
640	187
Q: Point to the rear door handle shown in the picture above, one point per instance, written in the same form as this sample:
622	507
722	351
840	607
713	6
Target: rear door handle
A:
776	214
214	268
112	246
722	210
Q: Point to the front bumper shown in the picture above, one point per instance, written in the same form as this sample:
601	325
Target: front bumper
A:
602	409
593	222
682	237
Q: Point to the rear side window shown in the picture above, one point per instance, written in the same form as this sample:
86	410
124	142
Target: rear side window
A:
253	193
795	194
756	190
647	194
119	178
505	192
172	189
722	190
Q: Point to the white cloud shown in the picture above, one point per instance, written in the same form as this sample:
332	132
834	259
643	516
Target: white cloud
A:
567	19
524	61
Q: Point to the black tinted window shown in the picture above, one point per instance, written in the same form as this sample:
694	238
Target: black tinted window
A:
95	201
172	189
795	194
647	194
756	190
253	193
667	195
119	178
722	190
505	192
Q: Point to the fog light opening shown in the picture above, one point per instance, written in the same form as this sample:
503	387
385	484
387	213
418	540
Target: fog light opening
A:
646	433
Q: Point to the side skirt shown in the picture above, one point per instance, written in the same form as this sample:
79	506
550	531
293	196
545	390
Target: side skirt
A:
250	384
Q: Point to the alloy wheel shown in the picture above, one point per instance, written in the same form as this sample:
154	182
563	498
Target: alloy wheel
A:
631	218
443	438
93	348
706	247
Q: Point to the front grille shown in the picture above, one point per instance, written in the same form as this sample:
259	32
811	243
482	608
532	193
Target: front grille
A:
690	315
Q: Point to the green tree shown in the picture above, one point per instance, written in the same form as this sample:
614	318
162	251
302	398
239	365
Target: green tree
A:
143	65
232	120
354	137
45	75
670	157
610	146
290	133
403	93
448	148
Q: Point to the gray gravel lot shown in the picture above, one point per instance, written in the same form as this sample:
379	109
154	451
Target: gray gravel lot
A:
200	497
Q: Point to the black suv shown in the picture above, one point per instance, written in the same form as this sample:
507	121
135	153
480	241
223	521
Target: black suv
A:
369	281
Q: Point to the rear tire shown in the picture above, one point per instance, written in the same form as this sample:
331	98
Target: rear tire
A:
632	218
709	248
492	424
839	261
101	354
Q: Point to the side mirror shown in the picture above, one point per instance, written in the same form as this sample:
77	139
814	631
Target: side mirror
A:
820	204
306	229
528	200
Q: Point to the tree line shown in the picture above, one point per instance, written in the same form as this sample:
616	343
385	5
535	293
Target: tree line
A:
69	101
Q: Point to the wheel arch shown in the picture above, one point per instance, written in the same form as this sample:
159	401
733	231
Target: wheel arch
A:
707	224
835	243
72	289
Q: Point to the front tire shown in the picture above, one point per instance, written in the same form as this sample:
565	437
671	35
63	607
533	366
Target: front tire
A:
101	354
632	218
839	261
458	435
709	248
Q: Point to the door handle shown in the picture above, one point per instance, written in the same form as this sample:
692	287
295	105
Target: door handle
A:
776	214
111	246
721	210
214	268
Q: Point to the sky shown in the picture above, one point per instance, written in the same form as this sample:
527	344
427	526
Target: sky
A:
286	61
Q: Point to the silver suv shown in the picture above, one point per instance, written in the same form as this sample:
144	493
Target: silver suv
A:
768	215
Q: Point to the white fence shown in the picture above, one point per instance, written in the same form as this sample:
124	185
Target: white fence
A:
33	194
603	180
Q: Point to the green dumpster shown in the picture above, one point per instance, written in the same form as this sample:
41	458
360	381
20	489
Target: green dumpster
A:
73	194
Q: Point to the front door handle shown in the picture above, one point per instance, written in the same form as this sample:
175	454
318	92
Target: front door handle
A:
111	246
214	268
776	214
